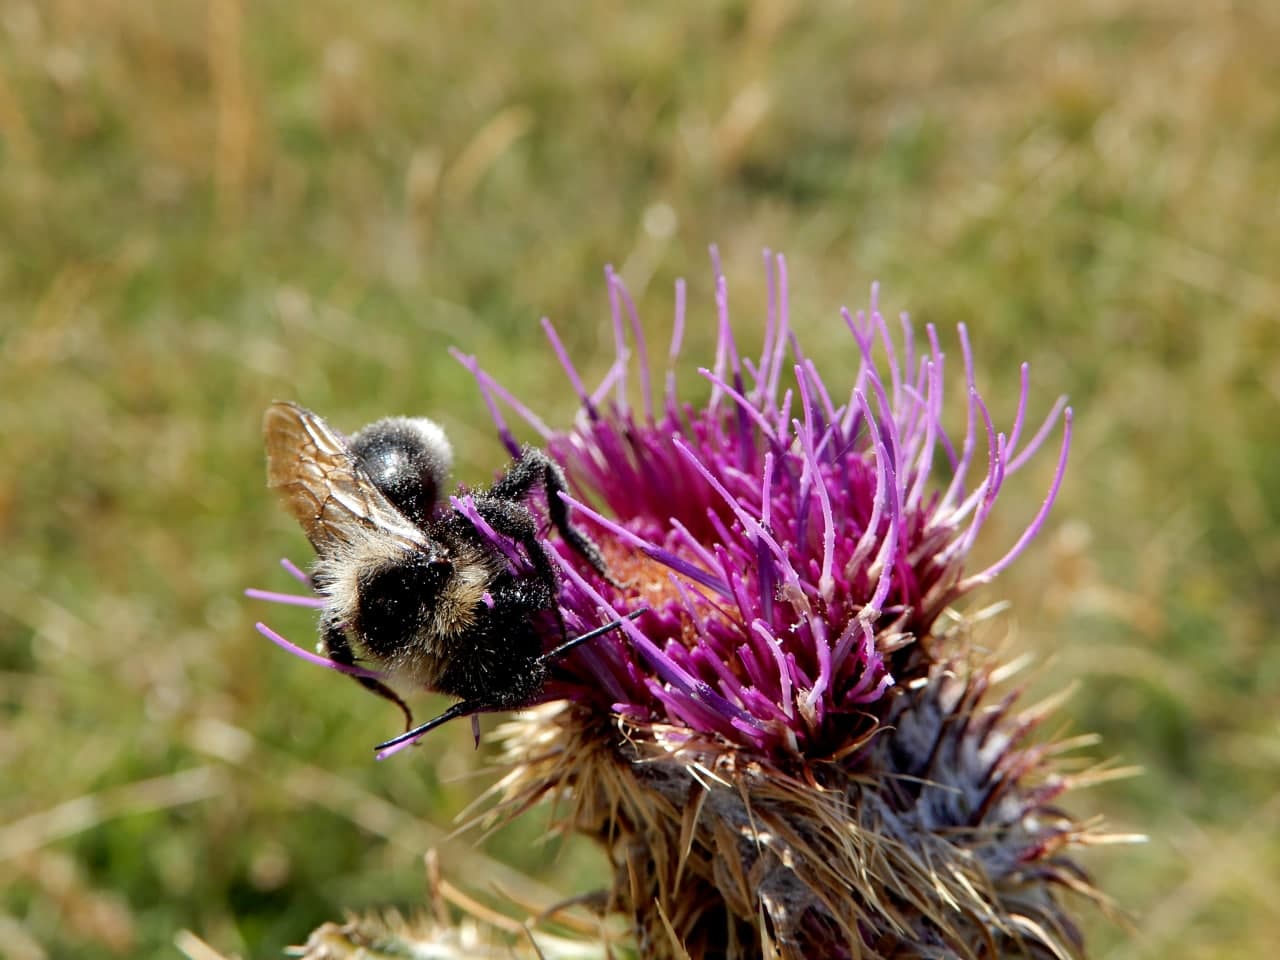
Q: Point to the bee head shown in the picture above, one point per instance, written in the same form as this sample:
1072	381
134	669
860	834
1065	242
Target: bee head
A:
408	459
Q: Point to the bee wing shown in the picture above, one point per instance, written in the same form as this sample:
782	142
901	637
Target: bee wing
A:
322	485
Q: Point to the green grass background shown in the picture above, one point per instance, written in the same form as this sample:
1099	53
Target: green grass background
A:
205	206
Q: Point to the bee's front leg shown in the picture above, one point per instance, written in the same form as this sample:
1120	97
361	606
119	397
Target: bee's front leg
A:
535	468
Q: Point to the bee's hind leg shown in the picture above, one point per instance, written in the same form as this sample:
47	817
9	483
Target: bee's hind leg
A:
338	649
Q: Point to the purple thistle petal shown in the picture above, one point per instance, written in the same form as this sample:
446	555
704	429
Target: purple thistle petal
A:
826	582
924	459
940	361
764	368
294	571
673	353
778	286
567	365
642	350
621	351
1024	390
744	404
1029	534
486	384
616	372
315	658
288	599
1036	441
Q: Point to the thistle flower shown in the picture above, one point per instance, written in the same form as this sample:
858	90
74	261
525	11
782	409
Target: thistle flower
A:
792	753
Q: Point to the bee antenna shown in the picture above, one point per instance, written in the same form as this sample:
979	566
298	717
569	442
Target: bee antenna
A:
559	652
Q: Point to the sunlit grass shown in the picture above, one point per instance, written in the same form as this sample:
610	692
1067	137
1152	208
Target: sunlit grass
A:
207	206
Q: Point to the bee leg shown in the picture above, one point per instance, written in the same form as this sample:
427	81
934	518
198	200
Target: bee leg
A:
460	709
533	468
561	651
338	649
513	519
472	707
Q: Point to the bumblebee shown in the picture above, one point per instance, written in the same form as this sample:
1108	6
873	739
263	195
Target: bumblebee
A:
413	586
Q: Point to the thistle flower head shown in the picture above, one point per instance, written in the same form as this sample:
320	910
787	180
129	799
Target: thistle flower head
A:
791	751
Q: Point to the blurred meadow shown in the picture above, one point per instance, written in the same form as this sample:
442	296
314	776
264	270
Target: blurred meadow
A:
208	205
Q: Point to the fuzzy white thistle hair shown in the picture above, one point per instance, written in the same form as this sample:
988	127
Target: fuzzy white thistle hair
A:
792	753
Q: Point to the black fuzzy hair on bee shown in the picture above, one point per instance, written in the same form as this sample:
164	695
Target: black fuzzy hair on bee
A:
411	586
